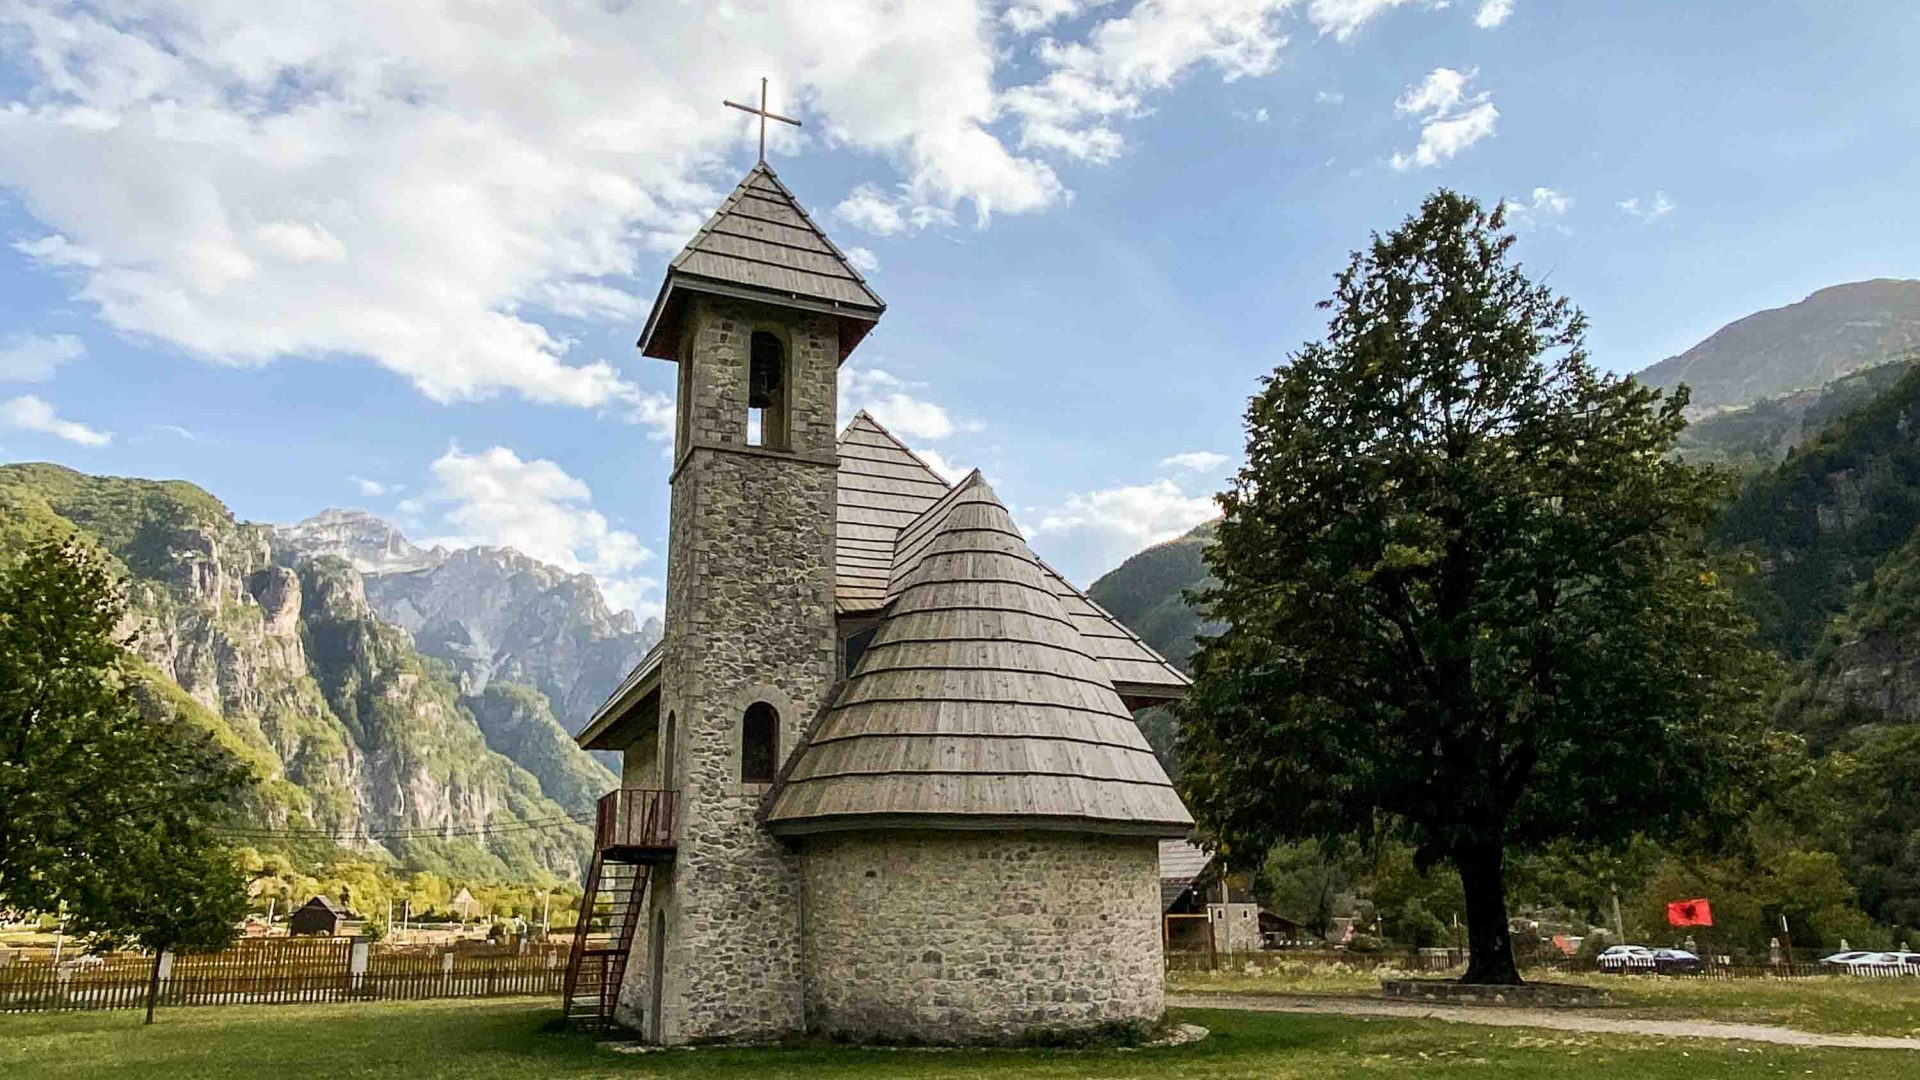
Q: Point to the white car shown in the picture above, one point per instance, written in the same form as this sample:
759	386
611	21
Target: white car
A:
1627	958
1875	963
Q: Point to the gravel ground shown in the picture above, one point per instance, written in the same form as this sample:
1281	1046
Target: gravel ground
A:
1555	1019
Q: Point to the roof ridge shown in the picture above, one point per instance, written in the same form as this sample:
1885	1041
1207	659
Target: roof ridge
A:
895	440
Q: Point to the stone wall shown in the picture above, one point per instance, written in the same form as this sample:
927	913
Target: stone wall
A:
749	617
980	936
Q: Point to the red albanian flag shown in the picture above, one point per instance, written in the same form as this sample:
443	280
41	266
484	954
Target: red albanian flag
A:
1690	913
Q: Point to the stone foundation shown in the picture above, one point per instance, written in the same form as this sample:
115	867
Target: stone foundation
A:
970	937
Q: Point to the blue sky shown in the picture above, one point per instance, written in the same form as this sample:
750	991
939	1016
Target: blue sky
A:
346	258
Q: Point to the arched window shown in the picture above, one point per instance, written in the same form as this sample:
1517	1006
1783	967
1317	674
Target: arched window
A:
759	744
767	392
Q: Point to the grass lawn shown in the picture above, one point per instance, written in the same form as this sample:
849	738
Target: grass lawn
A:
1839	1003
504	1040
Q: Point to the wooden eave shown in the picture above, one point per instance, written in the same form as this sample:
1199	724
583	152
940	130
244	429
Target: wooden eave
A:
623	717
761	246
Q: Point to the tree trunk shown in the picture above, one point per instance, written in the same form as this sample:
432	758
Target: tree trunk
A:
1489	942
153	983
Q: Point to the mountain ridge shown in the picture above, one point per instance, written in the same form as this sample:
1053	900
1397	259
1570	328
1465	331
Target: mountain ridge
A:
1796	346
357	738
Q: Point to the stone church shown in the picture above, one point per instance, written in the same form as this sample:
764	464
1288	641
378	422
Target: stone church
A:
882	777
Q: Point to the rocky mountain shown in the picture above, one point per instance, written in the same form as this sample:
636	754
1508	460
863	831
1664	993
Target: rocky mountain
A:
1800	346
352	732
494	614
365	542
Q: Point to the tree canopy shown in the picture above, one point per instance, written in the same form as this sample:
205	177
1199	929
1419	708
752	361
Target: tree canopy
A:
1465	594
110	810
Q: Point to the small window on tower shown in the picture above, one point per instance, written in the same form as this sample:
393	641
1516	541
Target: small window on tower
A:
759	744
767	392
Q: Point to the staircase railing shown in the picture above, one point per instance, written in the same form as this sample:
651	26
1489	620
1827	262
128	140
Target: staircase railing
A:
635	818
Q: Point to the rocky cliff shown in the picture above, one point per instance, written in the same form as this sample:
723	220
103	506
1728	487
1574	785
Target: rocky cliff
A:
353	732
1804	345
494	614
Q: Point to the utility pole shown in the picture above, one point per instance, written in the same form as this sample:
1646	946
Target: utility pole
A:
1619	926
546	908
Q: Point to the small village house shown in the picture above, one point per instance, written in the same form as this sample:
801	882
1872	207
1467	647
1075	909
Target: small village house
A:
319	917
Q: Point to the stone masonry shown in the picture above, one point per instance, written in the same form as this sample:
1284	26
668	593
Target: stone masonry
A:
980	936
749	617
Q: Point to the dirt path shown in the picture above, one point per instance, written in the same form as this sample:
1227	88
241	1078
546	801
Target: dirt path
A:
1555	1019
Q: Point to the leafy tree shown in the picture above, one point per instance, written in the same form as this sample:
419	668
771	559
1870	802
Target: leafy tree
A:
108	809
1465	595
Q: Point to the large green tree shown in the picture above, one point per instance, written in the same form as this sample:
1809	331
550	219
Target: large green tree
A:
1465	594
107	808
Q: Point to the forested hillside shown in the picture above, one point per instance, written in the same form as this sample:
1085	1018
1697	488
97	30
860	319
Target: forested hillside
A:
359	742
1822	522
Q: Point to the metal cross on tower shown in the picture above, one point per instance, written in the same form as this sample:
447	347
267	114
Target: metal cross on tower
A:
764	116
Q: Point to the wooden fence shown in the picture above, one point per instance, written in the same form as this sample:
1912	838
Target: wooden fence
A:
281	971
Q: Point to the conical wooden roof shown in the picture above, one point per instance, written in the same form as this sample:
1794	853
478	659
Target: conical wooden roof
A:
885	488
977	704
760	245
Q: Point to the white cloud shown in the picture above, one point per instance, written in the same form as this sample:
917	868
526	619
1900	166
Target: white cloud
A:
938	463
1093	84
35	357
1342	18
1545	207
863	259
1260	116
375	488
33	414
1329	97
495	498
869	208
1108	525
1451	119
1492	13
1647	212
420	186
891	400
412	184
1028	16
1440	92
1195	461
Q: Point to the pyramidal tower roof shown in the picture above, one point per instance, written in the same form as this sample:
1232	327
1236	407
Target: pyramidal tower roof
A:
977	704
760	245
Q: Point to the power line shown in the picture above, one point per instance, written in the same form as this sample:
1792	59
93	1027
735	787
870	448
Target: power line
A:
410	833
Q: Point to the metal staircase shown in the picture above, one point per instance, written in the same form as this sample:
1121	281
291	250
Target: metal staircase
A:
633	832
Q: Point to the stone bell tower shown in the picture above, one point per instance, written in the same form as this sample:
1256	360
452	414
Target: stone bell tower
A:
758	311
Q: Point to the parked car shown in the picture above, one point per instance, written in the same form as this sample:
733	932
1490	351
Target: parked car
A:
1874	963
1627	958
1676	960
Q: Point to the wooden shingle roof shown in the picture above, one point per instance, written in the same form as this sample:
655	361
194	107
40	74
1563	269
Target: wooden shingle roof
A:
885	487
882	524
760	245
1180	863
977	704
